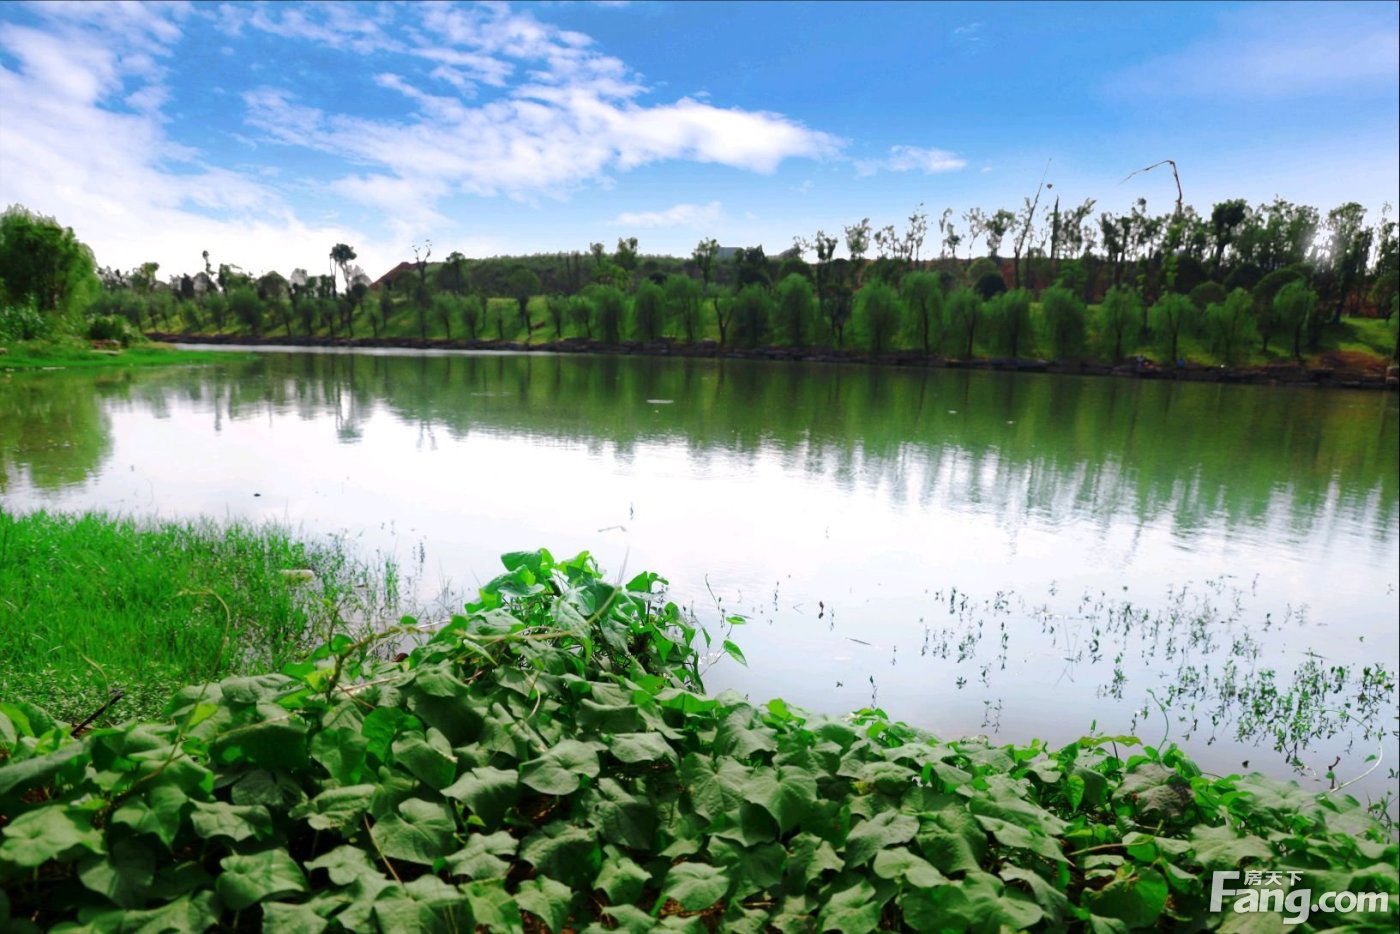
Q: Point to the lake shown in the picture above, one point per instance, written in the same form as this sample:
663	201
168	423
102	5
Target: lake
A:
1011	554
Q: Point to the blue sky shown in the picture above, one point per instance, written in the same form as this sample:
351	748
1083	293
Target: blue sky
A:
265	133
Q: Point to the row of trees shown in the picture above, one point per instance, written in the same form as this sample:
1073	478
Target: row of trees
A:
1239	258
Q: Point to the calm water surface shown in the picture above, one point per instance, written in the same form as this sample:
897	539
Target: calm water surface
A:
1011	554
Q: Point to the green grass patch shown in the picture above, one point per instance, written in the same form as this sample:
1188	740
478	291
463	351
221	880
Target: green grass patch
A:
90	605
549	761
46	354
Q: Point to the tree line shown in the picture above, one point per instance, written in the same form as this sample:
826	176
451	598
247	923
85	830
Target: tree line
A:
1244	280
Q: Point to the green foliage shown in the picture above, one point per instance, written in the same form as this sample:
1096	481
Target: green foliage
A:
608	306
1009	322
582	313
23	322
1064	316
878	314
1294	307
1230	326
648	312
1207	294
1117	316
964	314
923	304
247	308
112	328
445	308
473	313
1265	292
683	296
1171	318
752	310
44	264
549	758
797	309
522	284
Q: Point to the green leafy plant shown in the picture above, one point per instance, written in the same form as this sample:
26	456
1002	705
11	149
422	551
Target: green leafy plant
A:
549	760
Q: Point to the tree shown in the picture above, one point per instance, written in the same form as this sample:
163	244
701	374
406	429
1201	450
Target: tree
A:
247	309
683	304
1263	293
751	268
523	283
796	307
1063	314
452	275
1009	321
878	314
445	307
557	306
385	307
752	310
704	256
44	263
826	248
1230	325
1348	245
964	311
996	228
626	258
915	233
1119	312
608	308
1294	305
342	255
581	314
857	242
1171	316
421	255
648	312
923	303
473	311
1225	219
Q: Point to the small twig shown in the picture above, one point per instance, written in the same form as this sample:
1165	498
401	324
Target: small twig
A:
80	728
1172	163
382	858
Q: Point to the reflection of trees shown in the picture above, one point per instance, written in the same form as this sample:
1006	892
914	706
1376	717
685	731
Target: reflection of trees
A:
53	429
1048	448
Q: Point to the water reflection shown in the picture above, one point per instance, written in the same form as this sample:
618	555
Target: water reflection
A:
838	507
1202	456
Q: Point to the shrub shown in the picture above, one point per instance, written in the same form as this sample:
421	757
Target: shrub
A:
797	308
23	323
1063	314
111	328
878	314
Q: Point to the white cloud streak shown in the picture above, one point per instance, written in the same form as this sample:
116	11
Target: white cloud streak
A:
1278	51
695	216
912	159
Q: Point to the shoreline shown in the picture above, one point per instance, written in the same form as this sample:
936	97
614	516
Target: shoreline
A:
1278	374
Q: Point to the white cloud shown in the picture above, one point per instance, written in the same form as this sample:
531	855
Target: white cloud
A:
680	215
1279	50
573	119
912	159
495	103
83	140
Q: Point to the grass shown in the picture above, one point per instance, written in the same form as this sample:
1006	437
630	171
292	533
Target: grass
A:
92	604
47	354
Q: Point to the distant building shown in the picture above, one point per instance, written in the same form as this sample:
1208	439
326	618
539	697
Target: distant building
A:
389	277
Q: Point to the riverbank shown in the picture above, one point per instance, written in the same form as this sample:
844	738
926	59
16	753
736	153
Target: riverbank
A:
92	606
1341	369
41	355
551	761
